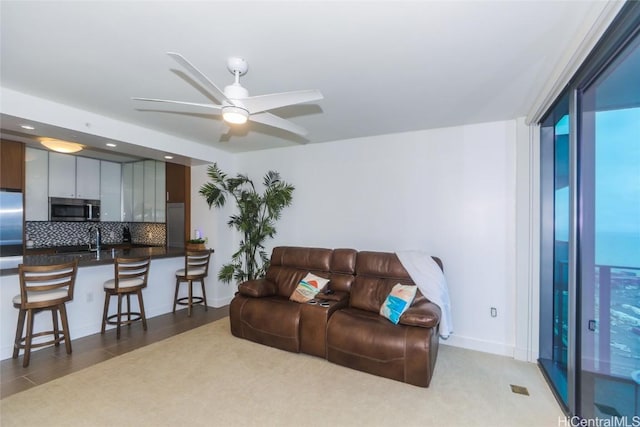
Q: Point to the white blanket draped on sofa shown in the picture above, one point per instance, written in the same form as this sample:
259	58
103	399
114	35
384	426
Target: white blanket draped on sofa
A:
428	276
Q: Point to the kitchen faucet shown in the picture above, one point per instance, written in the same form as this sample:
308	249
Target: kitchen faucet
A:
95	231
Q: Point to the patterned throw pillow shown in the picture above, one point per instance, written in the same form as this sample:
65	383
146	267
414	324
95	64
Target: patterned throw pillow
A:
398	301
308	288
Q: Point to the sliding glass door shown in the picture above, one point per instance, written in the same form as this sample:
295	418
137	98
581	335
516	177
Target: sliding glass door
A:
590	233
555	207
609	252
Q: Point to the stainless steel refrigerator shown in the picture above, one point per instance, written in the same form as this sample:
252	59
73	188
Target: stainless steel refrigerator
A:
175	225
11	220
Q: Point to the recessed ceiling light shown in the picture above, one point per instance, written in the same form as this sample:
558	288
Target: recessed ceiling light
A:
168	157
27	127
111	144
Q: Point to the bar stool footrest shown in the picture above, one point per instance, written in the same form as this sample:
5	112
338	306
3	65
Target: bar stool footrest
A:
194	300
53	340
113	319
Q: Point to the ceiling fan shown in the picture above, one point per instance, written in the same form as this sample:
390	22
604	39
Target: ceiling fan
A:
236	106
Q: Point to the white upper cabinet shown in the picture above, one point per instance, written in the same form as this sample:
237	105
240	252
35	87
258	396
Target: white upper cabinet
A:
62	175
138	191
149	191
143	191
36	207
127	192
87	178
161	192
110	191
73	176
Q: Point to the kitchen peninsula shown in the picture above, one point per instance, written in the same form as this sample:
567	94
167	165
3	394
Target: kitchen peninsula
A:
94	258
70	202
85	311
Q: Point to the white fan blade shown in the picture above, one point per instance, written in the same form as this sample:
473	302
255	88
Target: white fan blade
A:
217	93
278	122
257	104
195	104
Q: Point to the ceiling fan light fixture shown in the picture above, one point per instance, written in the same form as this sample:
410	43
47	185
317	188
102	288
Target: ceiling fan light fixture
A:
235	115
61	146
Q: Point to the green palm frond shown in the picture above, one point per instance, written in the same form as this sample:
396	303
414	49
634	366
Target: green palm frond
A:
216	174
226	273
271	178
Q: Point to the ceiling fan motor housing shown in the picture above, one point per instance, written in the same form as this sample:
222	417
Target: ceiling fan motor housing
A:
235	91
236	64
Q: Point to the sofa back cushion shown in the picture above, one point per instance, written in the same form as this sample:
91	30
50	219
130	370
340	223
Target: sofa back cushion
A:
376	274
290	264
343	269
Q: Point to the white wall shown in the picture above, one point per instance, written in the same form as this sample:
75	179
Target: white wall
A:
526	308
451	192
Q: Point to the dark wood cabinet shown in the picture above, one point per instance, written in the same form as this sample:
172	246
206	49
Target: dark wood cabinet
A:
11	165
177	181
178	187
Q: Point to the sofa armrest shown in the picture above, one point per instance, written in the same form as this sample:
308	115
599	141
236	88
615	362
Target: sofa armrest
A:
257	288
424	314
336	296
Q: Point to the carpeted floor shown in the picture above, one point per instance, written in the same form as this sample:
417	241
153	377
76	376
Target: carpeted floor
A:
208	377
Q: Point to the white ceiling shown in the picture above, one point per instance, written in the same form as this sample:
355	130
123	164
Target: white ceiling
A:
383	67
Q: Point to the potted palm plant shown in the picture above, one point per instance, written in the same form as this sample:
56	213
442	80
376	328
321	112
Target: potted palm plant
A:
255	220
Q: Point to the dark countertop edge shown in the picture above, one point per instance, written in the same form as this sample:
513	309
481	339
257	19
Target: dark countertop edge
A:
90	259
60	250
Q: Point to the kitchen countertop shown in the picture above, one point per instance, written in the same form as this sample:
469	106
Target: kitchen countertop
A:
37	250
88	259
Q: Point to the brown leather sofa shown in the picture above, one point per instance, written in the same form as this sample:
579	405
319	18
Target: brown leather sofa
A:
347	328
262	312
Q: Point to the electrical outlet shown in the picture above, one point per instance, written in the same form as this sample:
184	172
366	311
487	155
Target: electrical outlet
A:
111	235
494	312
89	296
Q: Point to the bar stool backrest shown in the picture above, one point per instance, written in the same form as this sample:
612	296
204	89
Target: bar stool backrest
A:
131	272
196	263
46	285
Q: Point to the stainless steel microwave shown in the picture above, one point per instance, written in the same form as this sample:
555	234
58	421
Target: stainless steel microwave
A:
62	209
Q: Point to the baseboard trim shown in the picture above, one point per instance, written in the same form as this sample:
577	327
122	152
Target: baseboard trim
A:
500	349
219	302
525	355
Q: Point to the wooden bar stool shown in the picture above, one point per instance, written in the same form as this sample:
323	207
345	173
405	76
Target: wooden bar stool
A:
43	287
196	268
130	277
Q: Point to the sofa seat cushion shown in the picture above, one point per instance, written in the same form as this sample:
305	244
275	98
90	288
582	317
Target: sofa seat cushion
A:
368	342
376	337
272	321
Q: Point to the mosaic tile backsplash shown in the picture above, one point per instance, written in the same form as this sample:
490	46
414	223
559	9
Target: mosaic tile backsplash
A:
45	233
